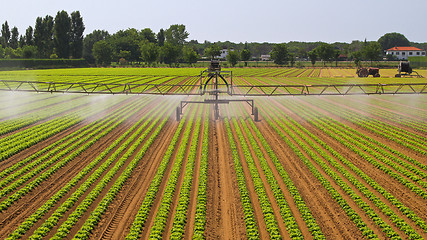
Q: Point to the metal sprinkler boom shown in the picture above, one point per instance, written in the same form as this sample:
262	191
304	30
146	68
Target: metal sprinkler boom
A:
213	82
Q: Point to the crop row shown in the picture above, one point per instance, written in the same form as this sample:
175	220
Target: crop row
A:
200	218
285	211
51	222
17	142
35	113
249	217
180	217
372	126
387	111
161	217
140	218
384	208
50	158
377	153
73	151
278	126
53	148
267	210
130	146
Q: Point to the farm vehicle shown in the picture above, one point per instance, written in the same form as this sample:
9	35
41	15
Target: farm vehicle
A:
405	70
365	72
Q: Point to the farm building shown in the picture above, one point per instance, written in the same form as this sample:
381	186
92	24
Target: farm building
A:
402	53
224	53
265	57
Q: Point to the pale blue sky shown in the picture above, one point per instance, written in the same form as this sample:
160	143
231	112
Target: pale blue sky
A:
239	20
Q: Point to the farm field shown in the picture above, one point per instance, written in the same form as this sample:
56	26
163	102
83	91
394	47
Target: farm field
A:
122	167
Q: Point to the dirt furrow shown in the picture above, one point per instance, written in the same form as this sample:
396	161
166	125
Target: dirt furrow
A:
329	215
120	214
224	212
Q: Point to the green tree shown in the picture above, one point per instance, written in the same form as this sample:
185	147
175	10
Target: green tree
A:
357	58
212	51
43	36
29	38
161	37
88	42
77	30
176	34
29	51
280	54
372	51
149	35
5	34
326	52
170	53
149	52
292	59
1	51
14	39
312	55
62	34
233	57
245	55
190	56
103	52
393	39
127	40
21	42
124	54
12	53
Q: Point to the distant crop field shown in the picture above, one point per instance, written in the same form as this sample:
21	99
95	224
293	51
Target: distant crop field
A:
121	167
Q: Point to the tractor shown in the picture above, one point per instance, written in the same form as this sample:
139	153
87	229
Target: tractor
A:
365	72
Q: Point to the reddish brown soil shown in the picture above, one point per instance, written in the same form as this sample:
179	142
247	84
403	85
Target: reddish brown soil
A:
225	217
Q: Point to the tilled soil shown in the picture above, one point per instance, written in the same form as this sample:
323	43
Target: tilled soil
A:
224	212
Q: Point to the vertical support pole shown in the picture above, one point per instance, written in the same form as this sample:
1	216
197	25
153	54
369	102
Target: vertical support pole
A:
216	114
231	84
256	114
178	115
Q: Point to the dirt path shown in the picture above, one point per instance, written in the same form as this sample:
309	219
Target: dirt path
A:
224	211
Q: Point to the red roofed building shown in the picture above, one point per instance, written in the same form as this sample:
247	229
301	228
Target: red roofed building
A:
402	53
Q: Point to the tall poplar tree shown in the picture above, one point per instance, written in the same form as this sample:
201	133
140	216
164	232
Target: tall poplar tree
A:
29	39
5	34
62	34
161	37
43	36
14	39
77	29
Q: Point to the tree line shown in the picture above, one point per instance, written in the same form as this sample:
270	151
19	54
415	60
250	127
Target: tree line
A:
62	37
170	46
59	37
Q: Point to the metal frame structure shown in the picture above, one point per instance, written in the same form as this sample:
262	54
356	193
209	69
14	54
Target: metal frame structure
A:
405	70
213	82
194	89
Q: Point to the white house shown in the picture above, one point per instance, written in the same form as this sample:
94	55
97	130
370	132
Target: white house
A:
224	53
402	53
265	57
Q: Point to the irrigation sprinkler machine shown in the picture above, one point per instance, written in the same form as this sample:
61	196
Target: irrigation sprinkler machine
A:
405	70
213	82
216	85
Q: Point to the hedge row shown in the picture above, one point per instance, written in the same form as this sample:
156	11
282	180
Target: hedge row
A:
42	63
